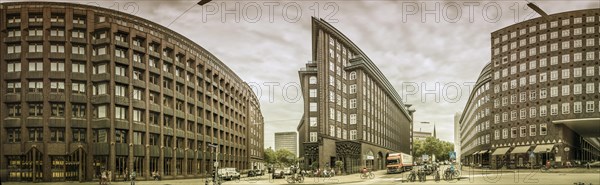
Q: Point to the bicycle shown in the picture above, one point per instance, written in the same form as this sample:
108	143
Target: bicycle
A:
451	174
369	175
412	177
545	169
295	178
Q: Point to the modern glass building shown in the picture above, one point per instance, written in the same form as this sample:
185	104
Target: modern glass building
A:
86	89
538	100
351	111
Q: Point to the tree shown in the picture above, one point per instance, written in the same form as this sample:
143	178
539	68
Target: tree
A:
339	165
433	146
285	157
270	157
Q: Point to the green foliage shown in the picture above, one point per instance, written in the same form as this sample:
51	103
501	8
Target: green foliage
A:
315	165
280	157
339	165
433	146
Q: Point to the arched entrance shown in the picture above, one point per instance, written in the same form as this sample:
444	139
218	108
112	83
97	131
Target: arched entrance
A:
33	165
75	165
369	160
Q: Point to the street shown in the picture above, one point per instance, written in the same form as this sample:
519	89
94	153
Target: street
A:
469	176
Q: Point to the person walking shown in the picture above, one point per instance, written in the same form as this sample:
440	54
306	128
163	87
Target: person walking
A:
103	178
109	176
132	177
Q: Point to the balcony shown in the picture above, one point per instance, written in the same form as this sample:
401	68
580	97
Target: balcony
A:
34	38
34	97
78	76
34	122
57	55
122	79
57	97
100	77
57	122
57	75
12	97
34	55
100	123
12	39
12	122
122	60
122	44
121	100
12	56
56	39
79	40
78	122
78	57
139	104
139	48
101	99
101	58
101	41
57	24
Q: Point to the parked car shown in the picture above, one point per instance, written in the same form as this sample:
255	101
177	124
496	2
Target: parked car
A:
254	173
594	164
287	171
228	173
278	174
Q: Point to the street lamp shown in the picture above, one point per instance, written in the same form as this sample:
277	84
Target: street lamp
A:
216	179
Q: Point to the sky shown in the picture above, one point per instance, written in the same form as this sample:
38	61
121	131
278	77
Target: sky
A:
431	51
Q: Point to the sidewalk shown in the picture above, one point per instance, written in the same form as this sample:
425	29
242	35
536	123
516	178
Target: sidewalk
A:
466	169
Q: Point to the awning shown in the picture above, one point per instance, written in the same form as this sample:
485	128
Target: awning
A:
475	153
543	148
520	149
484	151
501	151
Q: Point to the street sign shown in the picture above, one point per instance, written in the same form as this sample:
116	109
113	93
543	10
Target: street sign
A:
425	157
567	149
452	155
531	154
216	164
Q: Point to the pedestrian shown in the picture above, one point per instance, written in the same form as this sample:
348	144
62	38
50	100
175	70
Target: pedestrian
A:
132	177
125	174
109	176
103	177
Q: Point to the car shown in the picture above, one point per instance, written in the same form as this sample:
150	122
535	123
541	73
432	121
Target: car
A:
228	173
594	164
254	173
287	171
278	174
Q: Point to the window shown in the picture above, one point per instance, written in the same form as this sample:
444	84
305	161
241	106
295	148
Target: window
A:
352	103
13	87
565	108
312	80
589	71
513	132
138	115
121	90
57	134
565	74
313	136
13	67
120	112
35	109
138	94
78	110
352	118
35	86
543	93
543	129
522	131
13	49
14	135
120	53
57	48
120	70
352	88
313	93
57	32
554	109
36	134
353	134
352	75
57	109
566	90
577	72
120	136
331	130
313	107
100	68
100	111
553	91
57	86
577	107
313	121
57	66
589	88
532	112
100	89
101	50
532	130
78	87
14	110
78	34
505	133
80	50
543	110
36	47
589	106
36	66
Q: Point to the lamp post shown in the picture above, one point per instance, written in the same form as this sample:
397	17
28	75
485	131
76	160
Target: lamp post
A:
216	179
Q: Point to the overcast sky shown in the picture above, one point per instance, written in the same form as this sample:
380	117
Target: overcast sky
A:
408	45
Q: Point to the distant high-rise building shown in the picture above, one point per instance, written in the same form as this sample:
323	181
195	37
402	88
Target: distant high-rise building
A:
537	100
288	141
457	136
352	113
421	135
